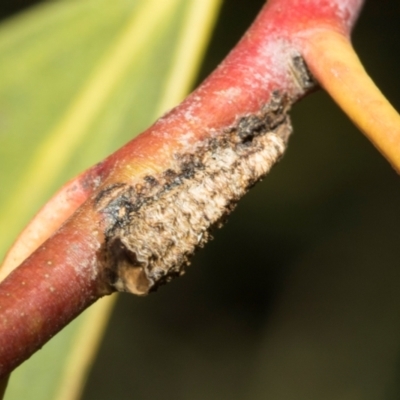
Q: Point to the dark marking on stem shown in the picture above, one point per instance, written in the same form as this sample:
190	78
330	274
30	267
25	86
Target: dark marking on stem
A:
301	73
153	228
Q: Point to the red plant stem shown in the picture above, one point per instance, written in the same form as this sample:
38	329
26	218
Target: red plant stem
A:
65	275
41	298
52	215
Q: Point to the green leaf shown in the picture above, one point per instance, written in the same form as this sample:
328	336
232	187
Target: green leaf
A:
77	80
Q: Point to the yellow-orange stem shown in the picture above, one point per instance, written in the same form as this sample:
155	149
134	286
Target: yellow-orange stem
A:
334	63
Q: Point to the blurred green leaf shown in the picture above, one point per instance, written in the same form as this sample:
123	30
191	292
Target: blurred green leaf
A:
77	80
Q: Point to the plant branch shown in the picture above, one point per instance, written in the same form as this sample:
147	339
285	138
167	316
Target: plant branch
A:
155	200
341	74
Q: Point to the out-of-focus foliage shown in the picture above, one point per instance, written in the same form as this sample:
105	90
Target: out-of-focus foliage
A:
77	80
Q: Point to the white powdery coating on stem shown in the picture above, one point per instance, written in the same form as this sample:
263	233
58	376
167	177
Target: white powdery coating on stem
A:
84	267
348	10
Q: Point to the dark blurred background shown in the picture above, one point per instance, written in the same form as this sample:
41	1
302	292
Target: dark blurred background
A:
10	7
298	296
